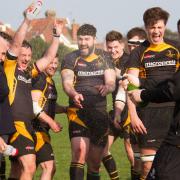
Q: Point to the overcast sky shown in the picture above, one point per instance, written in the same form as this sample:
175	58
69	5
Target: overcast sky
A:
106	15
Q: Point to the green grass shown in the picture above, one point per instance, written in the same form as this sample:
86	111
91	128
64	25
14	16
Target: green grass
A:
62	149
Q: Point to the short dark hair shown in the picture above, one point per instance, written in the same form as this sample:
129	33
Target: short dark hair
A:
6	36
114	36
178	23
26	44
87	29
137	31
152	15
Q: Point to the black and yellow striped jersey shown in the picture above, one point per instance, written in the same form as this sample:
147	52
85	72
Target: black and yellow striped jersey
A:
156	63
20	86
47	101
89	72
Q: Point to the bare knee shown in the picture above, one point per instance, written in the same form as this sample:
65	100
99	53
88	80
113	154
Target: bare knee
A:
48	167
92	167
80	147
28	164
79	155
94	158
29	168
129	151
108	146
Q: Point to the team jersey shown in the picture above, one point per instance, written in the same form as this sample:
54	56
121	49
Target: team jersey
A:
89	73
156	63
121	64
47	102
20	86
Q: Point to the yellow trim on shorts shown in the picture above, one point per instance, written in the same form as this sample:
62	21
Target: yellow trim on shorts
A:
42	138
14	137
21	130
72	116
127	121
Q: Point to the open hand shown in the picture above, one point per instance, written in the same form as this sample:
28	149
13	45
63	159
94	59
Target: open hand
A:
56	126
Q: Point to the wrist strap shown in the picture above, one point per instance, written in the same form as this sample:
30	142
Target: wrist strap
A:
120	101
55	35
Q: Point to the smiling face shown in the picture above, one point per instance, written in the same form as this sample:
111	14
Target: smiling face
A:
24	58
156	32
86	44
115	48
52	67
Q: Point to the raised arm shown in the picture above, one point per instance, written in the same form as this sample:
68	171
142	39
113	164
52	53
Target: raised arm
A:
19	37
20	33
53	48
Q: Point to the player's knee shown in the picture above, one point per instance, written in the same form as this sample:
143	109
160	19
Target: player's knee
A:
49	167
79	155
106	152
29	168
94	165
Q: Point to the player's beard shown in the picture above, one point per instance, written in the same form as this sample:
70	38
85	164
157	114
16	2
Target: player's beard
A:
88	52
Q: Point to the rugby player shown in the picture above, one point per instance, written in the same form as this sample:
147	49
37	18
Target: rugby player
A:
153	62
88	76
135	37
6	120
166	165
115	45
44	93
16	63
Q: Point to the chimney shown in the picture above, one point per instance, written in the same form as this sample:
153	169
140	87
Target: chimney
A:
75	28
50	14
